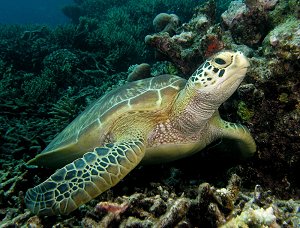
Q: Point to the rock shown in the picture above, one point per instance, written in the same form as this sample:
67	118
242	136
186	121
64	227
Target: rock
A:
187	49
235	11
248	26
262	4
284	40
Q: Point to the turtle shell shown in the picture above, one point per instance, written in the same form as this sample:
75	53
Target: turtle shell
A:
89	129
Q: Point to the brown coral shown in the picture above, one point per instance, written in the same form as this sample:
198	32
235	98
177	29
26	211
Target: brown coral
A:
165	22
140	71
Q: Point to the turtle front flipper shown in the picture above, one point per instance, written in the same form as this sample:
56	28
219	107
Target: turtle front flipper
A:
238	135
85	178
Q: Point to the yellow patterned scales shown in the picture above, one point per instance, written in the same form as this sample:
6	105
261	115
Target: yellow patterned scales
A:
153	120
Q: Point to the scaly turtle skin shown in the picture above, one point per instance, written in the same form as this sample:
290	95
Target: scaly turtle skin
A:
153	120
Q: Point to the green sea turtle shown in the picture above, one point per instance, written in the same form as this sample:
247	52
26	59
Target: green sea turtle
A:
152	120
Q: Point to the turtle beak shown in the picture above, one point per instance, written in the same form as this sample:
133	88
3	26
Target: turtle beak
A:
241	64
241	60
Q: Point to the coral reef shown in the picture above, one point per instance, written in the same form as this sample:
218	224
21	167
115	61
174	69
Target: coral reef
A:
13	177
165	22
271	84
48	75
60	65
161	207
284	10
248	25
234	12
138	72
254	217
36	87
192	42
262	4
244	112
63	112
284	40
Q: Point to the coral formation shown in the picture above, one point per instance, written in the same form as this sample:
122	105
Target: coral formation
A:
261	4
192	42
234	12
138	72
165	22
254	217
63	112
247	25
60	65
36	87
35	80
284	40
207	205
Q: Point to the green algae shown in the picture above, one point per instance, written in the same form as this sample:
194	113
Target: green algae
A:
244	112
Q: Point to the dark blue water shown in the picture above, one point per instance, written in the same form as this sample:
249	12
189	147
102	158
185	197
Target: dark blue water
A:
33	12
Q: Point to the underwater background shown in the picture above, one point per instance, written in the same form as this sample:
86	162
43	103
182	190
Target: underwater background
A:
33	12
60	56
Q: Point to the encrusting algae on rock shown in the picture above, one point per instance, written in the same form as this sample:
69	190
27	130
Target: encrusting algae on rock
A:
244	112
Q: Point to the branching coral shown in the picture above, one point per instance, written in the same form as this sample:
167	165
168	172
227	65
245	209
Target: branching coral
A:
12	178
60	65
38	87
64	111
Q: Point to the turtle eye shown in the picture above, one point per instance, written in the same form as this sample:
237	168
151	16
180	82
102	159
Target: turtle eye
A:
220	61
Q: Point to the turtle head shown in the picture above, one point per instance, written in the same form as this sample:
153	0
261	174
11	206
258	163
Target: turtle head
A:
218	77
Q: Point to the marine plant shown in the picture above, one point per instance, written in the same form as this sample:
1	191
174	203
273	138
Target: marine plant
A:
171	69
244	112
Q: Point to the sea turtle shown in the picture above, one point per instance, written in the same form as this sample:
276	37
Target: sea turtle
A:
153	120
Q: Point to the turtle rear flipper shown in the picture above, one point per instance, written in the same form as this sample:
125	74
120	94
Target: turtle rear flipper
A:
85	178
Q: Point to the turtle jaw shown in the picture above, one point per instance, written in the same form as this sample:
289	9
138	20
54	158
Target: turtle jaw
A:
225	89
240	66
241	61
232	82
235	73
